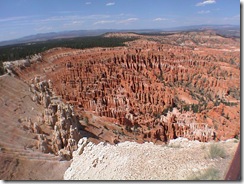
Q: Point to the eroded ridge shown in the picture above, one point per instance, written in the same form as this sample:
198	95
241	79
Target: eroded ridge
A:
59	116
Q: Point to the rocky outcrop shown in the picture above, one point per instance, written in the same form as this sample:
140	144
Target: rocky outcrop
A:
21	64
180	160
59	117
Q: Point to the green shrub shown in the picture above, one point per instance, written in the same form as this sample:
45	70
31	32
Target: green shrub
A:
203	147
216	151
1	68
86	120
209	174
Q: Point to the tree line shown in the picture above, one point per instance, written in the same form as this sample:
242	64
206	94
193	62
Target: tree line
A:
21	51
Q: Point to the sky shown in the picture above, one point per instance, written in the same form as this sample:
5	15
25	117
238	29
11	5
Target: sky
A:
20	18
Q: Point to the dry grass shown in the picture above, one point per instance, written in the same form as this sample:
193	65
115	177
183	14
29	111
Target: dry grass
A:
209	174
217	151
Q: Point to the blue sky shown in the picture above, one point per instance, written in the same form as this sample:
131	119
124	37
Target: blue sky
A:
20	18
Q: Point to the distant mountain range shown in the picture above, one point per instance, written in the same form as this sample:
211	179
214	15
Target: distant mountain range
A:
225	30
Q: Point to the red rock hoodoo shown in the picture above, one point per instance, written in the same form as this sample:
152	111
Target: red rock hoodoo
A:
156	88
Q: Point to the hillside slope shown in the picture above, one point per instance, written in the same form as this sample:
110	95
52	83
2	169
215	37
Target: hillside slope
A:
20	158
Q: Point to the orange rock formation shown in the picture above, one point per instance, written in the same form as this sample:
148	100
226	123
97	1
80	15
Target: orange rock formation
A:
156	89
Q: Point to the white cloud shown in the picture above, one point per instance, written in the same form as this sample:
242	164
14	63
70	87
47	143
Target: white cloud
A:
13	33
65	12
233	18
104	22
206	2
74	18
160	19
77	22
129	20
95	17
13	18
43	29
237	16
73	24
203	12
88	3
110	4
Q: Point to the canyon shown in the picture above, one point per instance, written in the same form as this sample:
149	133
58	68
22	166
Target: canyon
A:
155	89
